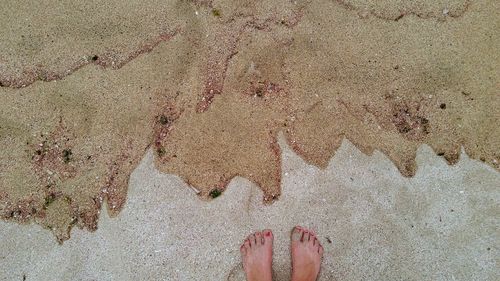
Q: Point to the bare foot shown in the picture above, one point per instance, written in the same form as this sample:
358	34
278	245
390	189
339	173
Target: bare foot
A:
257	255
306	255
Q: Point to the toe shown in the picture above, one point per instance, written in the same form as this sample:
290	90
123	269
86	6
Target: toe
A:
247	244
251	238
243	249
268	236
306	236
297	234
317	246
320	250
258	239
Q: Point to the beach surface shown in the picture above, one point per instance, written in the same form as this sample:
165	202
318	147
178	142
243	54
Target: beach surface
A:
373	223
210	102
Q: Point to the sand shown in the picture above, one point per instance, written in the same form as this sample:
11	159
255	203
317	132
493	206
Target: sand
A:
210	84
374	224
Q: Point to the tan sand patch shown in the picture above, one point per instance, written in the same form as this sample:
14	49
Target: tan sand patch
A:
212	84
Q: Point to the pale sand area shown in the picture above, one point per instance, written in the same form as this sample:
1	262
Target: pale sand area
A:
441	224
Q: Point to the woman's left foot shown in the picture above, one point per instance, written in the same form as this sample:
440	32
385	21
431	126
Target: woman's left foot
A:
257	256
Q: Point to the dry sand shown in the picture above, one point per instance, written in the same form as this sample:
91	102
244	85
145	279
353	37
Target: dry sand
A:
210	84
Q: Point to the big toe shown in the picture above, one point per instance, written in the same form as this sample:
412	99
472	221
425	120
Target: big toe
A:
297	234
268	237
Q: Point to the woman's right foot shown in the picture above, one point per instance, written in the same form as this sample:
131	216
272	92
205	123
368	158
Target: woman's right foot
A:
306	255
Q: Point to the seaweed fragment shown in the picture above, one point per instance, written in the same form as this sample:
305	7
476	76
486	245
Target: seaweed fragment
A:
67	155
216	13
214	193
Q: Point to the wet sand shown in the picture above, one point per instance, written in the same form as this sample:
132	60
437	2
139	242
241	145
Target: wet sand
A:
210	84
